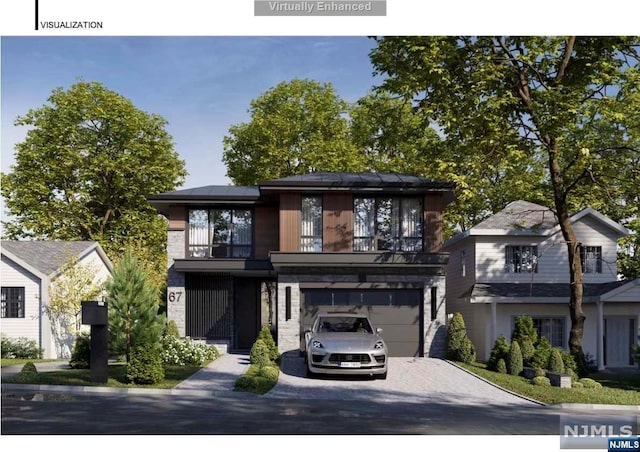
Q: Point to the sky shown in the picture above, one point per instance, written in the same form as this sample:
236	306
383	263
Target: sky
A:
200	85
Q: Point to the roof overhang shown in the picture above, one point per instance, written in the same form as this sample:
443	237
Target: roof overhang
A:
240	267
417	262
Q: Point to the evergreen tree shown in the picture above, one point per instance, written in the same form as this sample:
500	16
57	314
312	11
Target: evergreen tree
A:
514	361
133	307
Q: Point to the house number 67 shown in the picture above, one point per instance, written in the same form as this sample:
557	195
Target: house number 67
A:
175	296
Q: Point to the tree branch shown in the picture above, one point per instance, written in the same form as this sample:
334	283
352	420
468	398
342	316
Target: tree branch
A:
568	49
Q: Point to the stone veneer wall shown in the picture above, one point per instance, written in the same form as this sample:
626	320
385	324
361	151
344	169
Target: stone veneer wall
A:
434	331
176	294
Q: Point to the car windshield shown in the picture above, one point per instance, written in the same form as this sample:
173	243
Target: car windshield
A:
344	325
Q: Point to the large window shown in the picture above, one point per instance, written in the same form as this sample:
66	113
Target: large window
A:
311	227
591	259
384	223
521	259
222	233
552	329
12	302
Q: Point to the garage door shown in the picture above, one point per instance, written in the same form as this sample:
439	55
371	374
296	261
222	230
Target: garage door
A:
397	312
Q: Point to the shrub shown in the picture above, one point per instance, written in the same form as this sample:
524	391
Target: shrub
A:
499	351
514	360
540	372
22	348
569	363
524	329
577	384
555	361
589	383
541	381
501	367
246	383
572	374
27	375
145	364
259	354
270	372
528	350
182	351
171	329
267	338
458	346
542	353
81	354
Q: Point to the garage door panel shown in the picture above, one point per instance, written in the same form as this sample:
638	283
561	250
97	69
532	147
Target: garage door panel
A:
397	312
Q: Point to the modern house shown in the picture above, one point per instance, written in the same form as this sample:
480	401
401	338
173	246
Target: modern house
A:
279	252
27	271
516	263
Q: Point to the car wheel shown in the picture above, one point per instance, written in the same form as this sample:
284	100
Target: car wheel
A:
381	376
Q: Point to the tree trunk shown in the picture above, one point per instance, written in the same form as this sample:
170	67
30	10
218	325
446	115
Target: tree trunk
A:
573	248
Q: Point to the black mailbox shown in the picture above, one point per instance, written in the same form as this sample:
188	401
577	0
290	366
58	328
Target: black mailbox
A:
94	313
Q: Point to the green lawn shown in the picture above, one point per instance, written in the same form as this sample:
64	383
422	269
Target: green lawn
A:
21	361
623	389
116	377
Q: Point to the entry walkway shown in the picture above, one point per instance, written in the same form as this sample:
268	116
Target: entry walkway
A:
219	375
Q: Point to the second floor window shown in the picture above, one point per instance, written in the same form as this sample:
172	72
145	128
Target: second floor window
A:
521	259
222	233
393	224
311	224
591	259
12	302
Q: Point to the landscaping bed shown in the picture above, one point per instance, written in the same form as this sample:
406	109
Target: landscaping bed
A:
610	393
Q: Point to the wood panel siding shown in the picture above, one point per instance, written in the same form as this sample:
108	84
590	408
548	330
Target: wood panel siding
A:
337	222
290	222
209	311
433	205
266	221
177	217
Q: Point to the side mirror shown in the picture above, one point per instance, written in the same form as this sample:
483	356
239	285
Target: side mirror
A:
307	330
379	330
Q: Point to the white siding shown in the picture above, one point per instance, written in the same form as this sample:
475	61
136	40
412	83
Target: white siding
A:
594	233
15	276
553	260
94	260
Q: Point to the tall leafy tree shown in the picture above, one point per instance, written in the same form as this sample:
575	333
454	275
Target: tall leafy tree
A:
296	127
570	103
397	136
84	170
133	307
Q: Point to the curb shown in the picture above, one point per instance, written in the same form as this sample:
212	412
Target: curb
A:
102	390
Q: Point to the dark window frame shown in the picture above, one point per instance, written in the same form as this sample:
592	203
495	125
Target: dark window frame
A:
12	301
399	241
221	250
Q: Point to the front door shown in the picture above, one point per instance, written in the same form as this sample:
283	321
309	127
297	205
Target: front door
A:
619	337
246	295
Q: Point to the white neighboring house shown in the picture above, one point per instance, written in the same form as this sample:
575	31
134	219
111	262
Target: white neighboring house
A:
27	270
516	263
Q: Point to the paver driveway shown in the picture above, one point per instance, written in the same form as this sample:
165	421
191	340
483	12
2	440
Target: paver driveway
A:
419	380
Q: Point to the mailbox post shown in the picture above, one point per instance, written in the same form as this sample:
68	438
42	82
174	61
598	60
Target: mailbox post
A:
96	314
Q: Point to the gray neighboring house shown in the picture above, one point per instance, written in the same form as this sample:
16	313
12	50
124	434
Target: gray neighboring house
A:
515	263
27	270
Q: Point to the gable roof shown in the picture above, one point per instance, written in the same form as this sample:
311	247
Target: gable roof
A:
520	215
47	257
529	219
